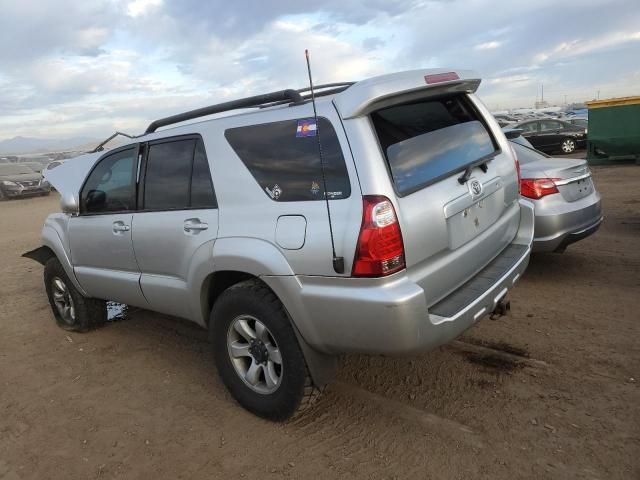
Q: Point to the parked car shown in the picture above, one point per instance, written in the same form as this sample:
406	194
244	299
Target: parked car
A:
567	204
17	180
54	164
401	232
553	135
581	122
35	166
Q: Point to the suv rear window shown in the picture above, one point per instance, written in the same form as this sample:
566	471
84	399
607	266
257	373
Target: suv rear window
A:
428	140
286	162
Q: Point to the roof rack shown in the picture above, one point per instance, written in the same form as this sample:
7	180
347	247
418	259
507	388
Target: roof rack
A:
281	97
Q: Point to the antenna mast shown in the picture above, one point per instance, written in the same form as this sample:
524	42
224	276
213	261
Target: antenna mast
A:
338	262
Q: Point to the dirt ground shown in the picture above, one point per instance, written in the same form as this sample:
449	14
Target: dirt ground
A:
552	391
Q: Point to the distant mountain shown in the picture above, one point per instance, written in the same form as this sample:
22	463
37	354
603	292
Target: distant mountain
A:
39	145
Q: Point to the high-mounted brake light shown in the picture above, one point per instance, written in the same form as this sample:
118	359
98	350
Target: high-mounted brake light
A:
380	250
441	77
537	188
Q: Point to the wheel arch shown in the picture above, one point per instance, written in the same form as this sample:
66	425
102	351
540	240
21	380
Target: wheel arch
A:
52	247
322	367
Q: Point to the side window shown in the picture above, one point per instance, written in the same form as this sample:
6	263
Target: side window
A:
530	127
283	158
550	125
202	195
111	185
168	174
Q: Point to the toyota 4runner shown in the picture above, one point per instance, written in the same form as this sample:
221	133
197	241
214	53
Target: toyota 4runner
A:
388	222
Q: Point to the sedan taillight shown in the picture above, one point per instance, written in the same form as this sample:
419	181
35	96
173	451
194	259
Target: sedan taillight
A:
537	188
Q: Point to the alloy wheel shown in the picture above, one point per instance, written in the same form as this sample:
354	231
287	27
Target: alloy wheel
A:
63	301
254	354
568	146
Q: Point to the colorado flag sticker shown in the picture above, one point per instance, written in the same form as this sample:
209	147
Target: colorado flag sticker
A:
306	128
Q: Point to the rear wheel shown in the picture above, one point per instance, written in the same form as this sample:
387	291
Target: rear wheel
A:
257	353
568	145
71	310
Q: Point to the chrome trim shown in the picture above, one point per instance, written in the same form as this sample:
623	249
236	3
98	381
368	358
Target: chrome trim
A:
567	181
457	205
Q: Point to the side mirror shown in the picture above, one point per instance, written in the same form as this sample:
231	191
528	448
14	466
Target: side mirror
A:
69	204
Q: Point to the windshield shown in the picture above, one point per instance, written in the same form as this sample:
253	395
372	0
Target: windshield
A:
14	169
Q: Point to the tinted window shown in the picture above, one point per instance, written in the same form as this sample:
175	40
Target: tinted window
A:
283	157
529	127
168	174
201	188
550	125
111	185
428	140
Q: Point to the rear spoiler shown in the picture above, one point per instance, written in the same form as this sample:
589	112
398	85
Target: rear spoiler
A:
374	93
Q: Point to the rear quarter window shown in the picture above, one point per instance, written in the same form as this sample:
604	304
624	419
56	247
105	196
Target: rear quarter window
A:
428	140
286	163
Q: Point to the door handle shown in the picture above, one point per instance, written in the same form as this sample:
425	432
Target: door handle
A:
195	225
119	227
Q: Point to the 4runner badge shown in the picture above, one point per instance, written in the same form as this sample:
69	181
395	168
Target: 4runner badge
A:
475	188
275	192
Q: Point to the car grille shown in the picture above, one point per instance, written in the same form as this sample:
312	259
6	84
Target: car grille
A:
28	183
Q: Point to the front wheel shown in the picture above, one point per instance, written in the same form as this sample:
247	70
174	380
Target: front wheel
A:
568	145
257	353
71	309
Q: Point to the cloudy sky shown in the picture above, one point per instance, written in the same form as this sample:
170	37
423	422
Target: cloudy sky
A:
88	67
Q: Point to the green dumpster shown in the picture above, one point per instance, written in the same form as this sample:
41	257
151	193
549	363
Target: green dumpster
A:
614	130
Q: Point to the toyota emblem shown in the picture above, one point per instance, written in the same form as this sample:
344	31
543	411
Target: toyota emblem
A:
475	187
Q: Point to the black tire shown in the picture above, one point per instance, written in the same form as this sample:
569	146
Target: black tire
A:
89	313
568	145
296	391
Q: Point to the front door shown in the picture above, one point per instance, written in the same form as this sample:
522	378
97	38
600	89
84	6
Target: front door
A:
176	226
100	237
530	131
550	134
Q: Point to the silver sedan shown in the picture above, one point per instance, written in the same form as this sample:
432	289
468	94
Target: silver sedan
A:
567	204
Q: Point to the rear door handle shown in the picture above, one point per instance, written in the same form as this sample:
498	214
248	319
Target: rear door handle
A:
119	227
195	225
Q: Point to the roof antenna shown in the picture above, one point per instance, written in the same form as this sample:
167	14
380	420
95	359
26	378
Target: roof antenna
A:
338	262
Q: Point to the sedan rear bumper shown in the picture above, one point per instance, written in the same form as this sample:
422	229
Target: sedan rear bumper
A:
560	225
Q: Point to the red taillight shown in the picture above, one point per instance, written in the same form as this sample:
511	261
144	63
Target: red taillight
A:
380	250
537	187
441	77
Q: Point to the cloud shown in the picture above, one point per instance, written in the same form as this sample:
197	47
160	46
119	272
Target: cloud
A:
488	45
578	47
142	7
79	67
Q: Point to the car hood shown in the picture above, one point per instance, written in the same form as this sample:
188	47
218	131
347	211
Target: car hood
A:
22	177
68	177
554	168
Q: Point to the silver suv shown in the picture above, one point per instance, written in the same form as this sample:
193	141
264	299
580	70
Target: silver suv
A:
389	222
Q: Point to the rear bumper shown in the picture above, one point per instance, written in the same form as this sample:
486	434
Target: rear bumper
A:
560	225
391	315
